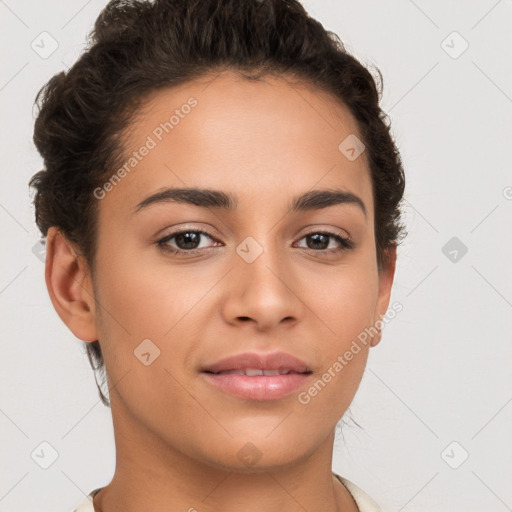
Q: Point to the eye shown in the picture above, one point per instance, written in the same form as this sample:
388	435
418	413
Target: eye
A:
187	241
319	241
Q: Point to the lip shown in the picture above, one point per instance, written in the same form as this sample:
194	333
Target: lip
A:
260	387
269	361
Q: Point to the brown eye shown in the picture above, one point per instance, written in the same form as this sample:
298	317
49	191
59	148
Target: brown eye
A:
185	241
320	241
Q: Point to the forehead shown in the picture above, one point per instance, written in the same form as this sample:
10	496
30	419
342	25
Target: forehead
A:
246	137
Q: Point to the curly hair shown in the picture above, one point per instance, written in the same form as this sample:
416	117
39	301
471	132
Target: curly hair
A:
138	47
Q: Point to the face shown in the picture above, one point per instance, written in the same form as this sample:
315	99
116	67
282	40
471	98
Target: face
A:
183	281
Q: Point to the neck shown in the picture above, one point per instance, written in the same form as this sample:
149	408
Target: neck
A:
151	475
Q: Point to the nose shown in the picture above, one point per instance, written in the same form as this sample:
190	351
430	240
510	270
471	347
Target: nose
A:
263	293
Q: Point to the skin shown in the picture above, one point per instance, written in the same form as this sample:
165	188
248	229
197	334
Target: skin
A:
177	437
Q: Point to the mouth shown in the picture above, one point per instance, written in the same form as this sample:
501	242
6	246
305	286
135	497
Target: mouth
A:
256	372
258	377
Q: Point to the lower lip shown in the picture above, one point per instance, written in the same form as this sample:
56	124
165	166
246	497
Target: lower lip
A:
260	387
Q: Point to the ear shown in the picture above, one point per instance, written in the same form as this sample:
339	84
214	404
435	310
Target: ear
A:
386	276
70	286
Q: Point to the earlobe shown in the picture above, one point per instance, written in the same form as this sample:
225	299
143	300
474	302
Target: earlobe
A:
376	338
69	286
386	277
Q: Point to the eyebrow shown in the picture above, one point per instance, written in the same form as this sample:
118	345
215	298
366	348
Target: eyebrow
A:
209	198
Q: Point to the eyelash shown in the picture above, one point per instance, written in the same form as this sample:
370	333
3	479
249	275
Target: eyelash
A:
346	243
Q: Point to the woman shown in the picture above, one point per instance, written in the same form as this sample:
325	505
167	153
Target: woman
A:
221	202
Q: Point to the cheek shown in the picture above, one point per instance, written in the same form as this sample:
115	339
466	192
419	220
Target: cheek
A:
146	299
143	315
143	300
345	311
343	302
344	306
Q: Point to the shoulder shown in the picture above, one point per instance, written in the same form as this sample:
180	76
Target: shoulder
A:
364	502
86	505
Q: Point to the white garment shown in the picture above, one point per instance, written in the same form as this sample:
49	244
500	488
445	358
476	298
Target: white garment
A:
364	502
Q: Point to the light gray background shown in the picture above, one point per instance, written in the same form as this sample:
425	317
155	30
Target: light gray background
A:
442	372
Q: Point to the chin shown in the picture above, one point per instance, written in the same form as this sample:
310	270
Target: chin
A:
260	454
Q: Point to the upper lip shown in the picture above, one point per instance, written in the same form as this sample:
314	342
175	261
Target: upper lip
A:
272	361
